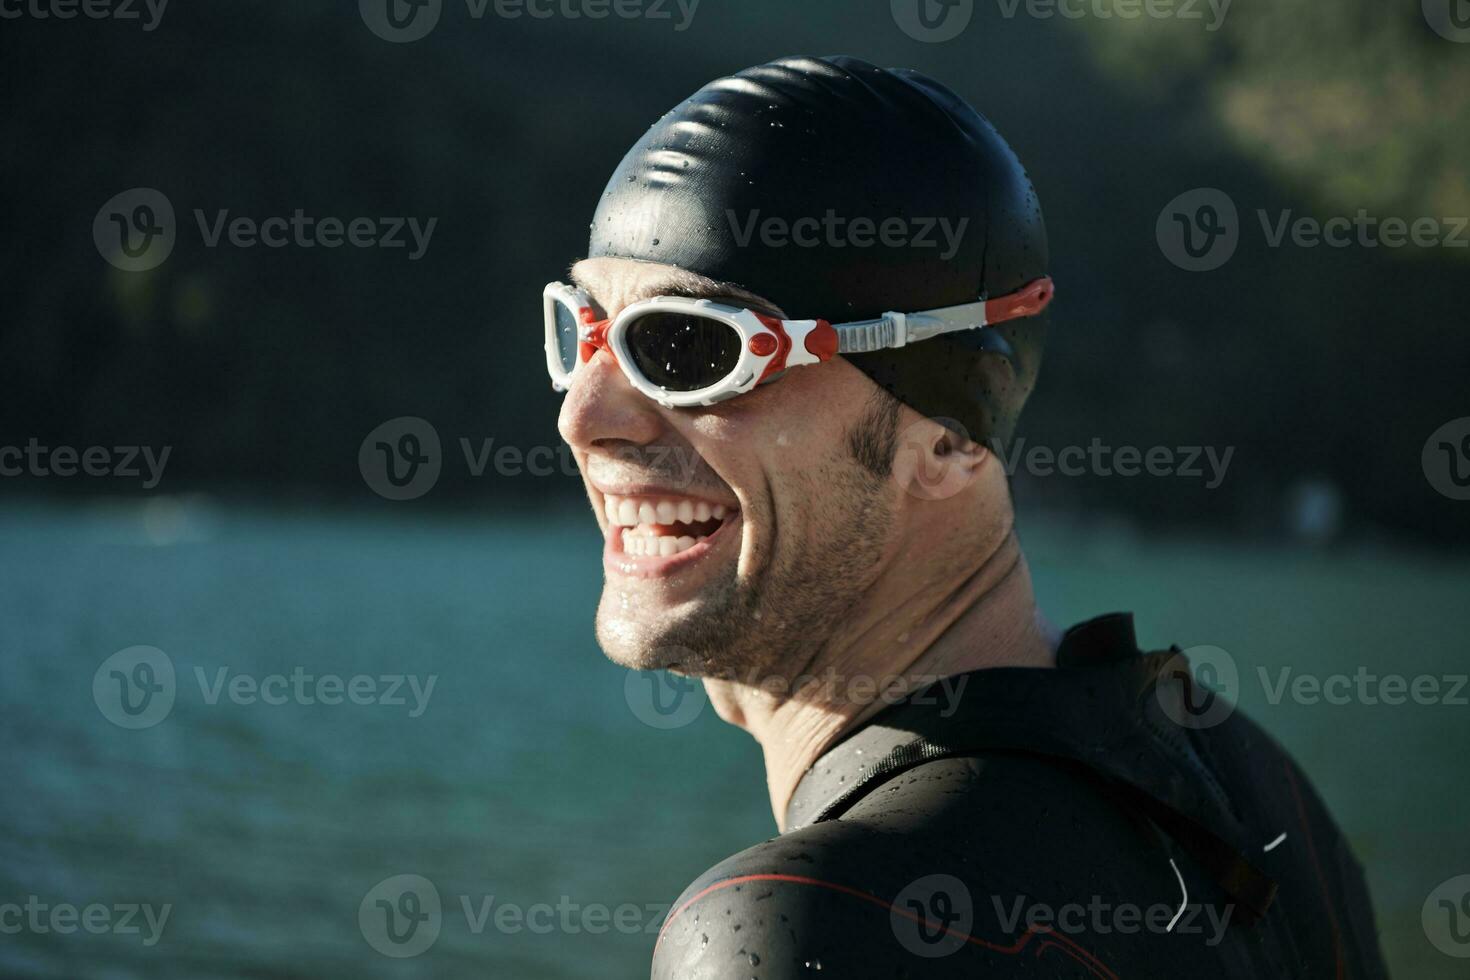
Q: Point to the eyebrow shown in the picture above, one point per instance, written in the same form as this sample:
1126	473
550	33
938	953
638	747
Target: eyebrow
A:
718	296
718	292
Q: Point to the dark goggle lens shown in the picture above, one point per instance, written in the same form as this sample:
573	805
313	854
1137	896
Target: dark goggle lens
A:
566	336
683	352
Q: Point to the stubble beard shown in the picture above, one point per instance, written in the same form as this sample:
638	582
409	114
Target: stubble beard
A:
773	625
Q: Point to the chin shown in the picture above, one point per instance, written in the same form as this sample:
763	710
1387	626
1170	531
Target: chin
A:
637	646
688	641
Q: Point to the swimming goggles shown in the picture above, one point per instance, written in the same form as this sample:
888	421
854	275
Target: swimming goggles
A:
684	352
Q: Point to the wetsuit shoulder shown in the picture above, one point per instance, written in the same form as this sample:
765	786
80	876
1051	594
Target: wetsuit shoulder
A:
927	876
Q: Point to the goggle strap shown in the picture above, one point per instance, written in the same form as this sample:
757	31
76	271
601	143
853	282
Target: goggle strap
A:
865	335
900	329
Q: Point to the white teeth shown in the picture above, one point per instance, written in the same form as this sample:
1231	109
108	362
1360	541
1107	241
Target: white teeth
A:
631	512
663	545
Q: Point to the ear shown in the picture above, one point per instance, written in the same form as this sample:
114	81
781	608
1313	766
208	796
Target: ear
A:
935	459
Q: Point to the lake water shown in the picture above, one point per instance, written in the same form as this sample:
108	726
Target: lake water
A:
531	778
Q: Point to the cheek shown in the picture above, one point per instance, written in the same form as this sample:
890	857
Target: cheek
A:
780	440
810	411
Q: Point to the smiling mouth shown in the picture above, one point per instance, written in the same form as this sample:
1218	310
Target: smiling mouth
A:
663	527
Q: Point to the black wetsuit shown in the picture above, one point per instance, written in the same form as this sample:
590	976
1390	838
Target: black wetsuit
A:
1043	823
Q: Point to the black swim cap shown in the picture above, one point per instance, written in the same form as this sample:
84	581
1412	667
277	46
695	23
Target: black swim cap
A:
834	140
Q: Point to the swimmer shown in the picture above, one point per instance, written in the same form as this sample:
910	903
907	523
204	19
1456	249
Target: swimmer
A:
815	301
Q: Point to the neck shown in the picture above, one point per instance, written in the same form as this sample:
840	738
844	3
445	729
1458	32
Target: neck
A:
978	615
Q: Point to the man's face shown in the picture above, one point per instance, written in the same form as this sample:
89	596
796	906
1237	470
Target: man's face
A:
738	534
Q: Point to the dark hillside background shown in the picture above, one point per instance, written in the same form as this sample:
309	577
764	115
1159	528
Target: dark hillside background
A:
1326	368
